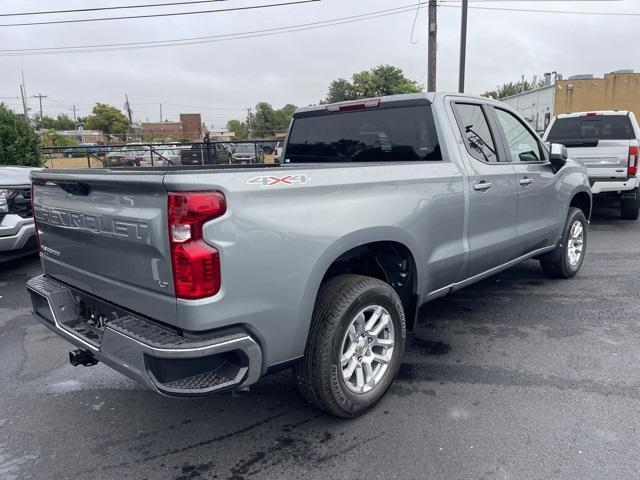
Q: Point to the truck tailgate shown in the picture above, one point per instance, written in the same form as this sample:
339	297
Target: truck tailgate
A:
107	235
607	160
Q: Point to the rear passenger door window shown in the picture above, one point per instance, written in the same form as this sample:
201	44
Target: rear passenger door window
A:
522	144
475	131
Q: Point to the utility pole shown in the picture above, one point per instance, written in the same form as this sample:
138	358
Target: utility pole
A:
463	45
74	109
249	123
40	97
161	112
23	96
432	46
23	89
127	106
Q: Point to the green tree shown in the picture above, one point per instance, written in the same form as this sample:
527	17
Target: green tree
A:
379	81
340	90
511	88
19	143
61	122
264	122
51	138
267	120
238	128
109	120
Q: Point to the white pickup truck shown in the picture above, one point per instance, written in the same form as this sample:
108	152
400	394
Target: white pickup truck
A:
17	232
606	142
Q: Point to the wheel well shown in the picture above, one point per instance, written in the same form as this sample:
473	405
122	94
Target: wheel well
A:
391	262
582	201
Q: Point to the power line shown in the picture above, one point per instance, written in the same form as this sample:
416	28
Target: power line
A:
530	10
96	9
212	38
263	32
156	15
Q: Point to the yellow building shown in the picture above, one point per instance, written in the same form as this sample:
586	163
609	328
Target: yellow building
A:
618	90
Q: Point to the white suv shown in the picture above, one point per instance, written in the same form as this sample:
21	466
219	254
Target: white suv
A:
607	143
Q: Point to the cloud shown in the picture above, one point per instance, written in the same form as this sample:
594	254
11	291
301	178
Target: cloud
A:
221	80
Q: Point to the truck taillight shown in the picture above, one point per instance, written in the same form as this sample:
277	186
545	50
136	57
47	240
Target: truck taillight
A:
196	265
632	167
35	223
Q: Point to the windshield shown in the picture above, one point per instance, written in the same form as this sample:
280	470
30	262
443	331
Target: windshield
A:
384	134
595	127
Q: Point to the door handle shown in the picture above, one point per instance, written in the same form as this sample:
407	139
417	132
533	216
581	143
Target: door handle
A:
526	181
482	186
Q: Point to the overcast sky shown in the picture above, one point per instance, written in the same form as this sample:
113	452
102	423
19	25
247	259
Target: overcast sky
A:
221	80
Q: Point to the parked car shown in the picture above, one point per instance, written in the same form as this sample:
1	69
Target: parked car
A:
17	231
201	283
86	148
206	154
128	156
248	153
162	156
607	143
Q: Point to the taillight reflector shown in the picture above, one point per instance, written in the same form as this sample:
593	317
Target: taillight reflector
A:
196	265
632	168
591	114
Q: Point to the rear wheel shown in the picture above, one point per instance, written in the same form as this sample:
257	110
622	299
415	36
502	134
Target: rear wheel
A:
355	345
630	207
572	249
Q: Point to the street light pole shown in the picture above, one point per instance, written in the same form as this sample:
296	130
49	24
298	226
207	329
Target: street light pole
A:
463	45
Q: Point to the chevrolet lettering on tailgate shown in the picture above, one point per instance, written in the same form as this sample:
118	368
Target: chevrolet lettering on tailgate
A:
135	231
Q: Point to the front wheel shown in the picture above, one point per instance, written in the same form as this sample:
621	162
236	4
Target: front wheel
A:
572	249
355	345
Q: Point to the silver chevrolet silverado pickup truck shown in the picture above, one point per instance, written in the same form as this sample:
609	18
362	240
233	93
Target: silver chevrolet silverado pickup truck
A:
17	232
200	280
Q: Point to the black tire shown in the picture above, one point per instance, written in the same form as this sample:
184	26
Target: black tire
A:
630	207
319	374
562	267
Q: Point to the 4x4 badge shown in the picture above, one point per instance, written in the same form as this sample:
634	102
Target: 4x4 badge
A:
269	181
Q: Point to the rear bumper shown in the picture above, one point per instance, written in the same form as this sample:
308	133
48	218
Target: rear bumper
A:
17	236
614	185
156	356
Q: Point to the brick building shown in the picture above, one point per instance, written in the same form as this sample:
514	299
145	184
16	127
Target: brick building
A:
616	91
619	90
188	128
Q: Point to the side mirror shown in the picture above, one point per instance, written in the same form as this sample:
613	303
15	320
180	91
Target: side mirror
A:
557	155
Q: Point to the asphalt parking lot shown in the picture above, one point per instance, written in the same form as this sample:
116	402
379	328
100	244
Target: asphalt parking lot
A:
516	377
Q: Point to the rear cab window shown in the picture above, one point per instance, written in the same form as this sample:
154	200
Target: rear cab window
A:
588	129
383	134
